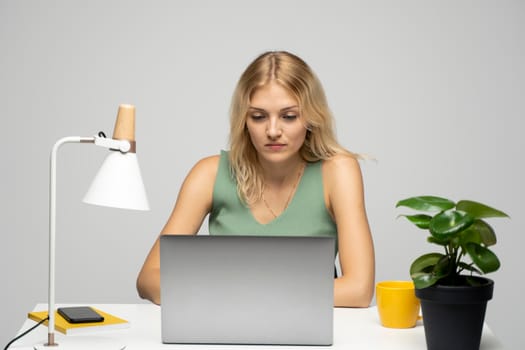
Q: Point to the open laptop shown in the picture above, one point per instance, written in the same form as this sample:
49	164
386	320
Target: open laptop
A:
247	289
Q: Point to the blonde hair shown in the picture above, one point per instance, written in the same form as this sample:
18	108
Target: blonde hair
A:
292	73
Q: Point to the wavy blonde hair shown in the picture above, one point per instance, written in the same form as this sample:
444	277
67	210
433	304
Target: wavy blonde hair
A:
293	74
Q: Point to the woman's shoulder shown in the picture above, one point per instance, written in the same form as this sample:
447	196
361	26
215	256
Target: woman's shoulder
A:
209	160
205	169
341	170
213	160
207	164
341	162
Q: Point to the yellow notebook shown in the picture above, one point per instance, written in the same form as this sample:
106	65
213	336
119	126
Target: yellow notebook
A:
110	322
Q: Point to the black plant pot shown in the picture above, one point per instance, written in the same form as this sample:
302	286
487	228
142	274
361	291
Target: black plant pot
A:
453	316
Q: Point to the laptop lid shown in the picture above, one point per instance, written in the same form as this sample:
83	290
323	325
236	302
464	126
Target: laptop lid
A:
247	289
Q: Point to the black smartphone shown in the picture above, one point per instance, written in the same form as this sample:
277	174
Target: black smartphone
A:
80	314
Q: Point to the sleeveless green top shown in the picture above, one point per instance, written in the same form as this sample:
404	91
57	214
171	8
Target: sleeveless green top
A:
306	214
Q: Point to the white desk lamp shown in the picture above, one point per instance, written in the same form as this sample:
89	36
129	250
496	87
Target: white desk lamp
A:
117	184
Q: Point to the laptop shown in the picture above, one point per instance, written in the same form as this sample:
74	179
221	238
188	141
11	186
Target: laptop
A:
247	289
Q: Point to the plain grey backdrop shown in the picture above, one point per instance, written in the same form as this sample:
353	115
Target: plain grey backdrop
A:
433	90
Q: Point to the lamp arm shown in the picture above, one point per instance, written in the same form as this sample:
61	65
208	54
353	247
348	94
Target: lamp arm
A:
120	145
52	230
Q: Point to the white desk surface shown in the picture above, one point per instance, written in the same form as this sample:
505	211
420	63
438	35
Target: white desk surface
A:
353	329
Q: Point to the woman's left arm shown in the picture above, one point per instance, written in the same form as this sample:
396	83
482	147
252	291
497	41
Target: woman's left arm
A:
344	197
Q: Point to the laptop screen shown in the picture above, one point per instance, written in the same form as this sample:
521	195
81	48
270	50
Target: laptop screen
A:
247	289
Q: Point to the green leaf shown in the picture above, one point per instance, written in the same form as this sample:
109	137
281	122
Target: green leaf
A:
423	263
443	267
469	235
448	223
479	210
483	257
428	269
488	236
442	242
420	220
424	280
426	203
480	232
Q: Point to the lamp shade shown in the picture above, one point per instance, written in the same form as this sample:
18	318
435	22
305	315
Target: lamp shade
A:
118	183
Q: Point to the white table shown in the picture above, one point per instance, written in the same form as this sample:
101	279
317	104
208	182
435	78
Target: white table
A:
353	329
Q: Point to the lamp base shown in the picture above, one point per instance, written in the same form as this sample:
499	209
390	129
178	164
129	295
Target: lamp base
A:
83	343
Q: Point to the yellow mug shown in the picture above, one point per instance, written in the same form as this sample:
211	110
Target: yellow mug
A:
397	304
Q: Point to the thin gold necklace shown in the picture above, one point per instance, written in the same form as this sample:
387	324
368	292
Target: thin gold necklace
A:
289	195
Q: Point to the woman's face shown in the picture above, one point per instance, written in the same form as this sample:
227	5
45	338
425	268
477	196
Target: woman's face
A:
276	128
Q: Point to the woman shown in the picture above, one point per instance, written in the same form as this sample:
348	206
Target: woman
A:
285	173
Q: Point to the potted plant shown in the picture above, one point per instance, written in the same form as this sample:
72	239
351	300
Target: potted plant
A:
453	299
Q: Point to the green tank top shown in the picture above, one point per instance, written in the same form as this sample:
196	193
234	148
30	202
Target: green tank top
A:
306	214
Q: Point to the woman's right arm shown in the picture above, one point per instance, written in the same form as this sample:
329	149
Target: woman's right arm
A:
193	204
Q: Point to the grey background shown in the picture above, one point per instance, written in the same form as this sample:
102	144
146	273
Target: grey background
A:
432	89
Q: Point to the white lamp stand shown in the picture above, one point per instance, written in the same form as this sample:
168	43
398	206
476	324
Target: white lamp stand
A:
117	184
